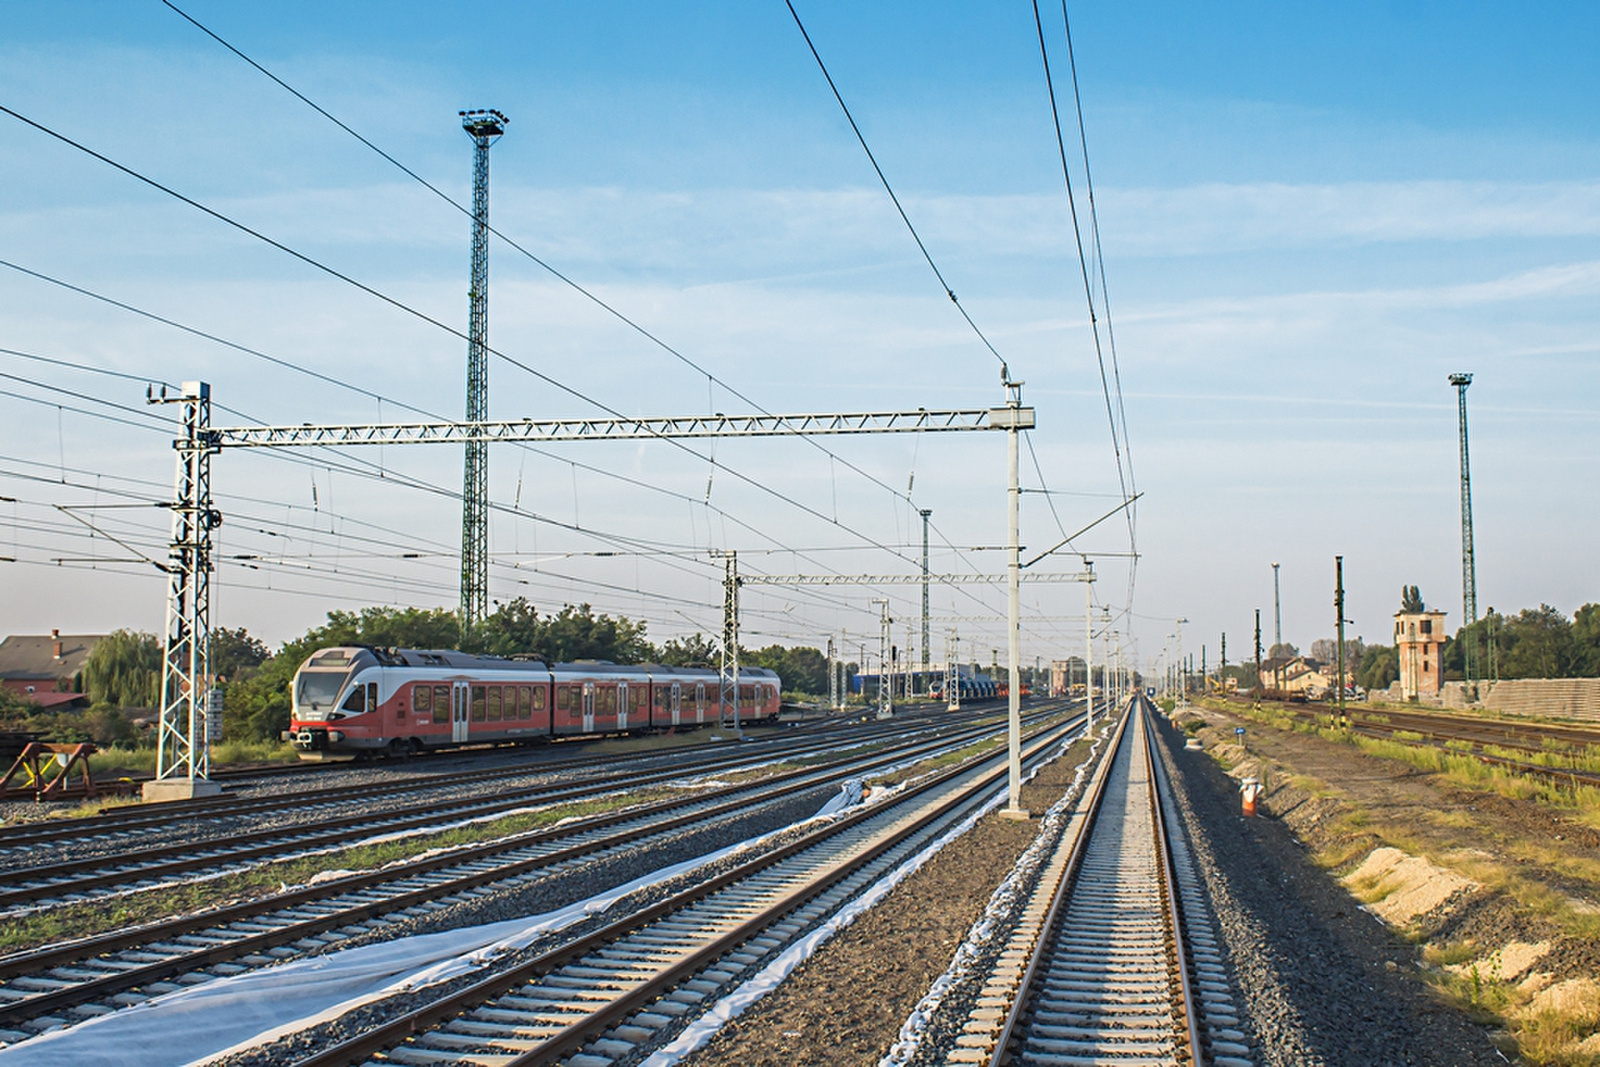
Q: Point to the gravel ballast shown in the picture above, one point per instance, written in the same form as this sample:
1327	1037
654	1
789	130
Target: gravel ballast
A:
1322	980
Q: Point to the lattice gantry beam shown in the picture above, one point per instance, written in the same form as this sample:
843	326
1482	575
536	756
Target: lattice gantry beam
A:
908	579
872	422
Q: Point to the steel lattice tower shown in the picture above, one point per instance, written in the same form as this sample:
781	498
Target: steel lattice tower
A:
1469	566
484	127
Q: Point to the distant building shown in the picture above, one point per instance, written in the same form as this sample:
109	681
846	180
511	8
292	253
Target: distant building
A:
35	666
1419	638
1296	674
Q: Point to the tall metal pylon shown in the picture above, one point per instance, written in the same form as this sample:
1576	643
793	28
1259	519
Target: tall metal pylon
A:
1469	566
885	667
729	672
925	512
182	742
484	127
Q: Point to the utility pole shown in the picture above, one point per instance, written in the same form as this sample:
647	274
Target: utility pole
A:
1469	575
183	761
1088	648
885	667
1183	675
1258	650
730	638
952	674
926	640
1277	631
1338	608
833	677
484	127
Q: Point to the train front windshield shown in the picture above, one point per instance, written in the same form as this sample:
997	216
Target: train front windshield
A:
316	691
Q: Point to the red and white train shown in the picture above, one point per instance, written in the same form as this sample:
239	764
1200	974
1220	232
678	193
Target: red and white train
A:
358	700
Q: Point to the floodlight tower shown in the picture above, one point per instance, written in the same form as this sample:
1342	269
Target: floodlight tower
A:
1469	574
484	127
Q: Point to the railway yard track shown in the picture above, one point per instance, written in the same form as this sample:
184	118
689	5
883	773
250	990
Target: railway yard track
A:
131	849
1561	753
628	933
60	985
1109	957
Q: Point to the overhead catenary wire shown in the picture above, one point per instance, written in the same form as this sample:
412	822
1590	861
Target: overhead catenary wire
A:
588	294
814	512
1117	440
883	178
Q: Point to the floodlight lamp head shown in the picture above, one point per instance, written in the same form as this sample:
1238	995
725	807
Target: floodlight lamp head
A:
1460	380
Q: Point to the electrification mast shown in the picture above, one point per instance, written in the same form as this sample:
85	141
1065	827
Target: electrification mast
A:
484	127
925	638
1469	572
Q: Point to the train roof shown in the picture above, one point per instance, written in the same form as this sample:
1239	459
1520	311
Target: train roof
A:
370	655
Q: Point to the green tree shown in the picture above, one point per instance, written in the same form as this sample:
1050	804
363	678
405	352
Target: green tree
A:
691	651
514	629
1538	644
1378	667
801	670
1411	599
125	670
235	654
1586	641
578	633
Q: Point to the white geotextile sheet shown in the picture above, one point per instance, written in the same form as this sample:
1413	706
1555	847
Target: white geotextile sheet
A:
235	1013
697	1033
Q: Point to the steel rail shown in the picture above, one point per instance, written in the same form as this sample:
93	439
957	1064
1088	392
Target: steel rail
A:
156	863
1136	734
724	801
122	820
1183	977
398	1028
1059	895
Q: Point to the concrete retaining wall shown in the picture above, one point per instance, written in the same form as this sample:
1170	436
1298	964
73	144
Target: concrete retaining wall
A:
1554	698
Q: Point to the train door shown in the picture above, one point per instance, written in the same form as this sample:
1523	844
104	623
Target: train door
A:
460	701
622	705
588	707
677	701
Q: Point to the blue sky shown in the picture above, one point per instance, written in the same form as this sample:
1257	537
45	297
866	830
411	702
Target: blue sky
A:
1310	216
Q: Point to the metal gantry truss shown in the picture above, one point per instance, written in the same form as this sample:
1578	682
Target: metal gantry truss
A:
186	668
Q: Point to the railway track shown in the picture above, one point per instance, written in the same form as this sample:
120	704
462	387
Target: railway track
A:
62	984
1113	960
438	771
1468	736
76	880
635	984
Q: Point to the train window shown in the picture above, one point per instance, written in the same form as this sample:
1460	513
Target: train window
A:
441	703
564	697
357	700
372	695
525	704
494	703
661	698
422	697
608	700
633	699
478	703
538	698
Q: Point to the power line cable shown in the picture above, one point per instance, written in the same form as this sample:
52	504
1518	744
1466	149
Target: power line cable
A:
937	273
565	279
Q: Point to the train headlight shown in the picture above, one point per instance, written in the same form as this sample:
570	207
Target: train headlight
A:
335	735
